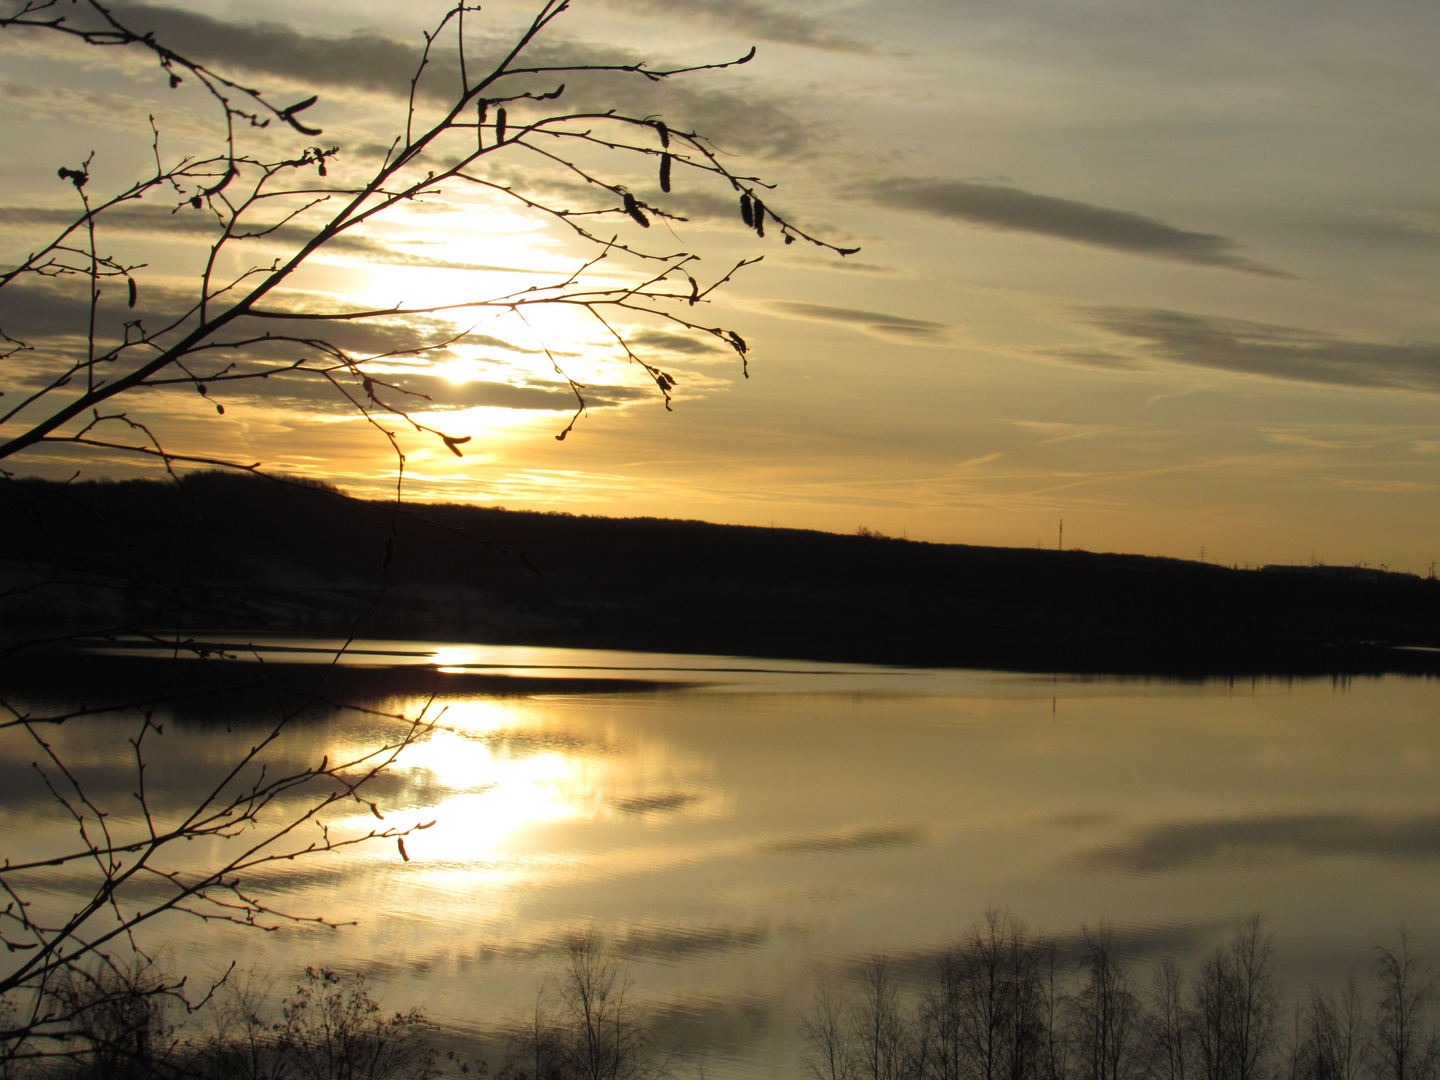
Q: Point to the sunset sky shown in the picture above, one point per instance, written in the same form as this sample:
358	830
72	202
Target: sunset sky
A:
1166	272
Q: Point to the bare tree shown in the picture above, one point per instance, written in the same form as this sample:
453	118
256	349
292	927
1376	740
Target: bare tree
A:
133	875
267	185
1107	1015
996	997
1055	1057
1331	1036
885	1045
1404	1039
240	329
584	1025
826	1030
1170	1041
1236	1006
946	1052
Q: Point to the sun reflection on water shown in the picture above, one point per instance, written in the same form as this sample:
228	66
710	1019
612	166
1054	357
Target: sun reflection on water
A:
487	774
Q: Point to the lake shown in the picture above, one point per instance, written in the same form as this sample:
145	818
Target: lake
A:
737	828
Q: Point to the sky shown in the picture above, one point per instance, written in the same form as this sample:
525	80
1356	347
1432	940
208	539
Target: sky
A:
1163	272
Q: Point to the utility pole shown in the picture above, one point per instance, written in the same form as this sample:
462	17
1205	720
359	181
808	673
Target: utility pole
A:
1060	545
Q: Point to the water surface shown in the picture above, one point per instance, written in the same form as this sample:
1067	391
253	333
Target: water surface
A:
751	824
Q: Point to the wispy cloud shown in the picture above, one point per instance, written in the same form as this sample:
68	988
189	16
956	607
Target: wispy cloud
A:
375	62
47	314
872	322
687	344
1276	352
759	22
995	206
201	224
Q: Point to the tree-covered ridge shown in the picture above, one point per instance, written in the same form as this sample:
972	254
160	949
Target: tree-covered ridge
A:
241	555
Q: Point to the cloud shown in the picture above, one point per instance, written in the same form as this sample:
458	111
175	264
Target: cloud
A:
52	318
755	21
1094	358
1276	352
1267	837
676	343
54	312
375	62
543	395
872	322
994	206
167	221
866	839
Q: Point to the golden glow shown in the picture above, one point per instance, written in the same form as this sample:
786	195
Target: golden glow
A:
495	776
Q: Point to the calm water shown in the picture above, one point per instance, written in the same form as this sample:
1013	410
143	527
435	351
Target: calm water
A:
763	822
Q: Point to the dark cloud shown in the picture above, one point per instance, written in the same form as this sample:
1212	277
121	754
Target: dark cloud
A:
1277	352
555	396
755	21
365	60
167	221
873	322
676	343
55	312
52	318
374	62
866	839
1269	837
994	206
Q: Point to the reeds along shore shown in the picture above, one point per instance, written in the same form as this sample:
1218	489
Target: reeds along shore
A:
1002	1003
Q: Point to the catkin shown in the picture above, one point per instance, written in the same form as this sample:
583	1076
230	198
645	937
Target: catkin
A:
633	209
134	292
759	218
500	124
663	132
665	173
746	215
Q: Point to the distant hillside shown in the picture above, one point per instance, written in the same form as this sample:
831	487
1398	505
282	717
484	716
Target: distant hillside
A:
241	554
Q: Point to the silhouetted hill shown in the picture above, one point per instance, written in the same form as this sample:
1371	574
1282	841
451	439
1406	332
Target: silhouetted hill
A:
241	554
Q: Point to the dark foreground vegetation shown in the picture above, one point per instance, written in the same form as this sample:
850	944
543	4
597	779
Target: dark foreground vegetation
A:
1001	1004
1006	1005
243	555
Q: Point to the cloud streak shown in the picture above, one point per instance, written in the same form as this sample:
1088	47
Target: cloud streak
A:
374	62
163	221
755	21
1011	209
1275	352
871	322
